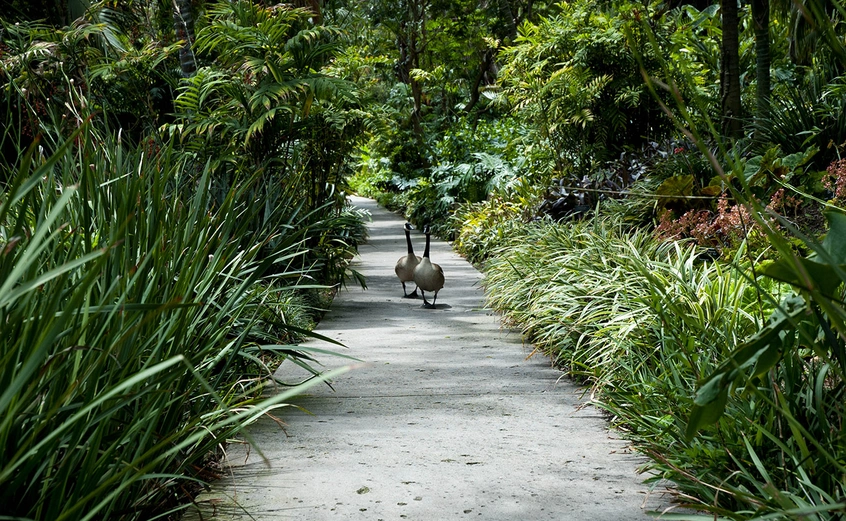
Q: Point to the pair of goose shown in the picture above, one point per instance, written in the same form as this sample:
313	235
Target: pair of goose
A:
427	275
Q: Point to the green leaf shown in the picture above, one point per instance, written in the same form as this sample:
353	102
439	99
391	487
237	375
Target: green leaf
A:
805	274
675	188
835	240
702	415
752	167
794	161
761	352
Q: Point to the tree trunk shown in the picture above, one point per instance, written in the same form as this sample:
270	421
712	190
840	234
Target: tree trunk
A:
730	71
183	24
417	43
314	7
527	15
507	13
417	113
411	43
761	21
76	8
475	92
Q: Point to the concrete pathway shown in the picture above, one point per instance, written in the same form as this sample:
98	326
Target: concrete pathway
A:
448	419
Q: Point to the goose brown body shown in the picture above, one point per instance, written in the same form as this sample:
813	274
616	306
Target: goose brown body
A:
406	265
427	275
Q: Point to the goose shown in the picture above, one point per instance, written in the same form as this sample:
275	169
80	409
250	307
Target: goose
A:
405	266
427	275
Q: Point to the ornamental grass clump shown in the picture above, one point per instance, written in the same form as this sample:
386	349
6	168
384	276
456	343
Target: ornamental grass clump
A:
134	315
728	381
642	322
773	404
585	293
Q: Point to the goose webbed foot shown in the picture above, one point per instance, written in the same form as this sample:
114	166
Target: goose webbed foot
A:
426	303
406	294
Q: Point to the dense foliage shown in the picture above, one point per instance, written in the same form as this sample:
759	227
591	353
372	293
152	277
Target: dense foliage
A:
677	249
160	254
655	191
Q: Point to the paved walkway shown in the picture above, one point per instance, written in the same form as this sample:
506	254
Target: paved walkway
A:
448	420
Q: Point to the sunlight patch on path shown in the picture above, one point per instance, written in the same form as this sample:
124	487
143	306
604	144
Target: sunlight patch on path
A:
447	419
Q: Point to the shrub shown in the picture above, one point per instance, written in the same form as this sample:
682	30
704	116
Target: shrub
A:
484	227
136	319
835	181
644	322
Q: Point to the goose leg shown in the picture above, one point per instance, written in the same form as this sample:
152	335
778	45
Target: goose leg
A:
404	294
426	303
413	294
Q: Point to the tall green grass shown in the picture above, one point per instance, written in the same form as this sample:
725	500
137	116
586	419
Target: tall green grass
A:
644	323
591	293
775	402
136	315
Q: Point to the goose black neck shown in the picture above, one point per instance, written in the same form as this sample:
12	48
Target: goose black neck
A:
408	242
426	252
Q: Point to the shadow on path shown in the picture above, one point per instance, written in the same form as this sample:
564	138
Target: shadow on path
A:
448	419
